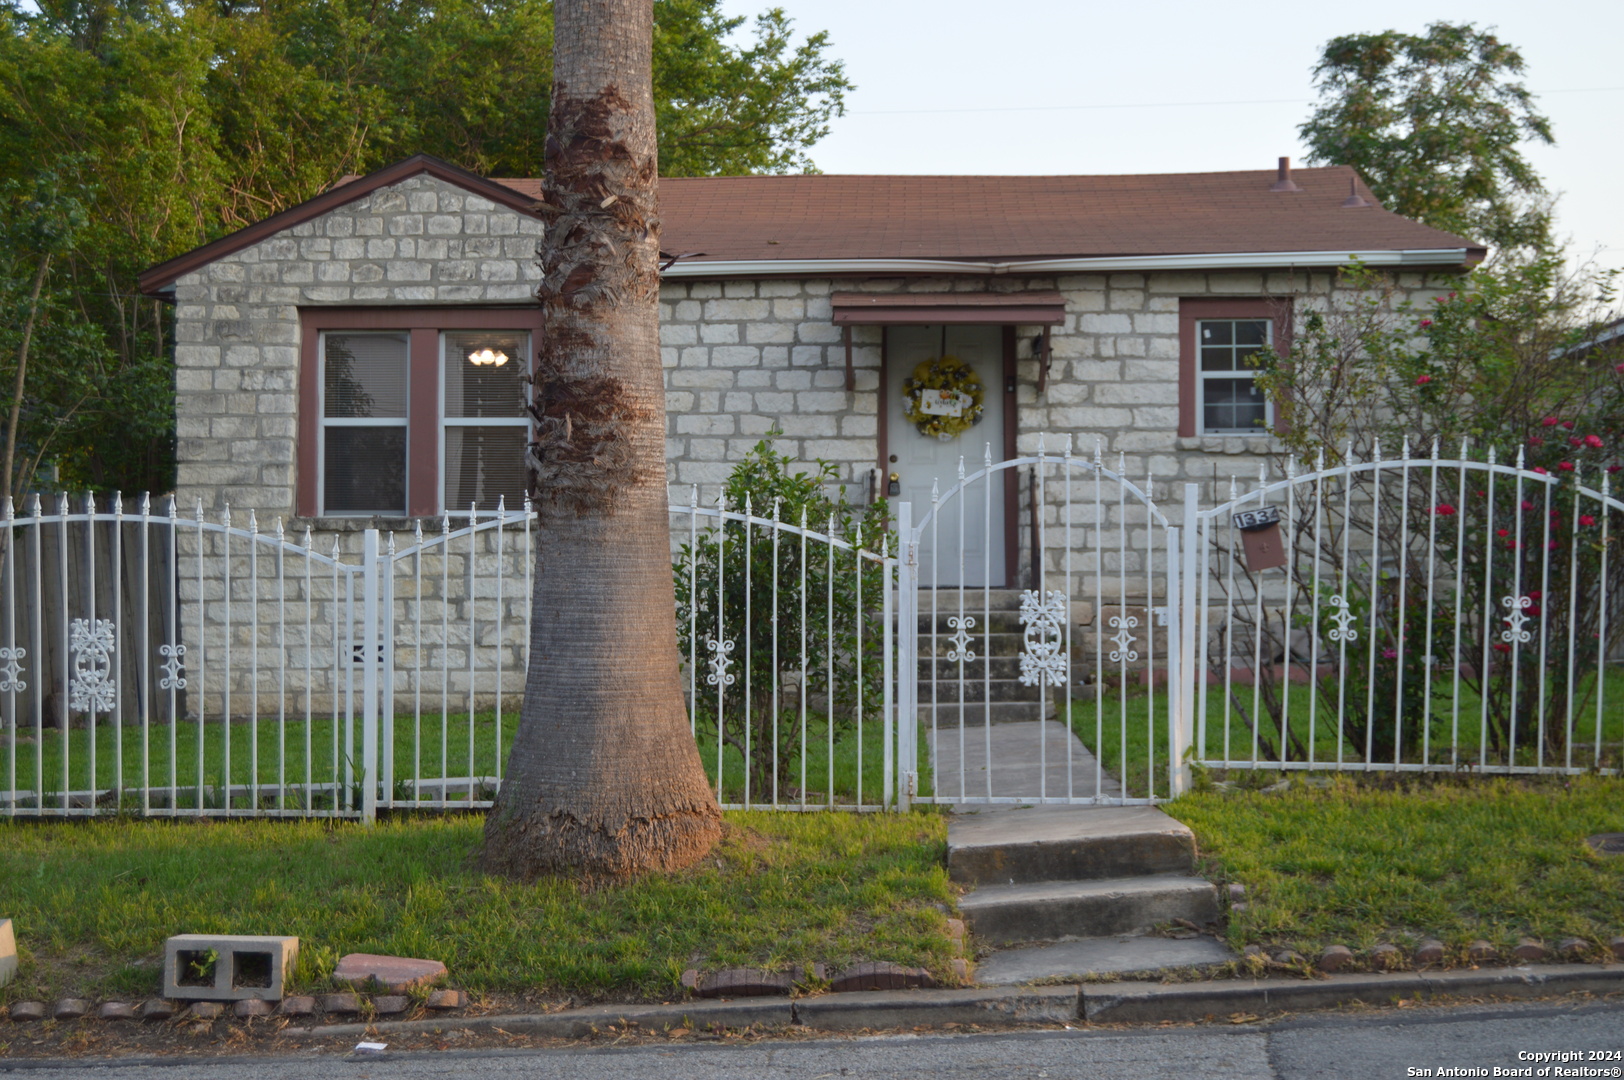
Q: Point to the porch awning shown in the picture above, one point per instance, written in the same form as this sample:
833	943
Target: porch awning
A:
902	309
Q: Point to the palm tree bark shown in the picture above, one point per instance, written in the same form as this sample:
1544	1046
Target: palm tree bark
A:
604	780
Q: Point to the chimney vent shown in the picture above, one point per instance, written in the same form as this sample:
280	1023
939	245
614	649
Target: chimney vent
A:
1354	201
1284	182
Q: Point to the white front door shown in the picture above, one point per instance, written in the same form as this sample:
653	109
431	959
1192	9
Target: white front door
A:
918	459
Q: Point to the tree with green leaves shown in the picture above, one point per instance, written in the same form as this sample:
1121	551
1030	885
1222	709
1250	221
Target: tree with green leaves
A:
1435	123
182	122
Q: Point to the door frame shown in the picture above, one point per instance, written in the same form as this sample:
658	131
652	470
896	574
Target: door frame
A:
1010	477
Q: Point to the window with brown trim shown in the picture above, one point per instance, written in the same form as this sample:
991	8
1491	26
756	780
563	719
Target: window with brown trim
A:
1219	339
413	412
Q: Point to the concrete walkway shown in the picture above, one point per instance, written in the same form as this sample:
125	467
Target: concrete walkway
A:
1029	760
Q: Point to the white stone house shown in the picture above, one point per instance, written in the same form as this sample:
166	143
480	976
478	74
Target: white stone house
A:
328	357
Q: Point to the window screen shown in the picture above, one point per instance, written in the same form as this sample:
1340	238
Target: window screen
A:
486	426
364	388
1230	398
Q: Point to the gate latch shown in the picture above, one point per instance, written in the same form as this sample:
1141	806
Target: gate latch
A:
1260	537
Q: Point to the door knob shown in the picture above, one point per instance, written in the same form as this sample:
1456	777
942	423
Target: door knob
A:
893	486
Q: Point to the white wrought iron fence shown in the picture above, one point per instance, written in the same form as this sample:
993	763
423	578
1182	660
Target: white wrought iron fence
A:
168	664
1428	614
1414	614
787	631
1059	692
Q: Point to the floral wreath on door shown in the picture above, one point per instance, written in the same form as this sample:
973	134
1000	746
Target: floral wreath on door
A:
945	398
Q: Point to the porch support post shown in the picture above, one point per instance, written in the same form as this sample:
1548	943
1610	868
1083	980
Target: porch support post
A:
851	372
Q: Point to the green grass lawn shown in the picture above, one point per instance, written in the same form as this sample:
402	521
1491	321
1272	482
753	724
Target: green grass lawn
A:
430	747
1459	859
1137	752
93	901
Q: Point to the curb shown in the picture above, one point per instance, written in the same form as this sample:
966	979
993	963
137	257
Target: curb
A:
1110	1003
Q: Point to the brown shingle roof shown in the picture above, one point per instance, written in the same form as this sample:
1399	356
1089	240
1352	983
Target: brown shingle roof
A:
964	218
998	218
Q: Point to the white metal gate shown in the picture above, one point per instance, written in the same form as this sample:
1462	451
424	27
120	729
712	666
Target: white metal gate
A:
173	665
1063	691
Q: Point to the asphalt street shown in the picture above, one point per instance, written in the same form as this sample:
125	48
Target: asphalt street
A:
1370	1046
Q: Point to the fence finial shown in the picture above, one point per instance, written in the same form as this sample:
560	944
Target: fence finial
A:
1520	458
1404	450
281	532
1122	463
748	509
225	516
961	467
200	510
1040	444
1234	487
38	509
62	503
1376	449
118	504
390	548
936	485
1099	450
777	499
1291	467
501	506
11	510
146	503
987	454
417	533
1435	448
1319	460
1490	455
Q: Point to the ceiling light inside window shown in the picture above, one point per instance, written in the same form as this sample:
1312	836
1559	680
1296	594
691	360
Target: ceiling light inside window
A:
487	356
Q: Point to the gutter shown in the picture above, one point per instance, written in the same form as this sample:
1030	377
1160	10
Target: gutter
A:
1248	260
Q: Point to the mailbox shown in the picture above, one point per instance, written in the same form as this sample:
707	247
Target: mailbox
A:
1261	542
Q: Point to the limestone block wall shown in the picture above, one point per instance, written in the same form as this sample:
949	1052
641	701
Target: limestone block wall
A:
273	629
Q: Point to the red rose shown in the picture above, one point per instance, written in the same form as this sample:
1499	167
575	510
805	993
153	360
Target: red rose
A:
1587	520
1594	442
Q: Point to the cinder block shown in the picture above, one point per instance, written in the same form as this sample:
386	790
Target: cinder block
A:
8	952
244	966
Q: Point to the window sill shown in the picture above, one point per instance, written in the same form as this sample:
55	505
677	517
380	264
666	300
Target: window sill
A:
360	523
1237	443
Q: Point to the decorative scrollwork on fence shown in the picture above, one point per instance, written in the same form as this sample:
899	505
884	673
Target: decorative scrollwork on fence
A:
9	672
91	688
172	667
719	663
1042	659
1122	639
1344	619
1514	631
960	653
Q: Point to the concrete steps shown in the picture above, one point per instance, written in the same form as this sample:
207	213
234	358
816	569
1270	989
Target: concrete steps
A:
1081	886
1052	910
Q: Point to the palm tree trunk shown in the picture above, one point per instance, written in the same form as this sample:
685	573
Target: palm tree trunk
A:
604	780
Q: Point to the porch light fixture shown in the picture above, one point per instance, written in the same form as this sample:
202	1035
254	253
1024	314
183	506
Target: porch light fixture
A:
487	356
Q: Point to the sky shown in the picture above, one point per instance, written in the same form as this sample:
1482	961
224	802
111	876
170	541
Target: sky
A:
1069	86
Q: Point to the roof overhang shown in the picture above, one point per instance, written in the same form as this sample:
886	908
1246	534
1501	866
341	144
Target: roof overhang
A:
1228	260
160	279
902	309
